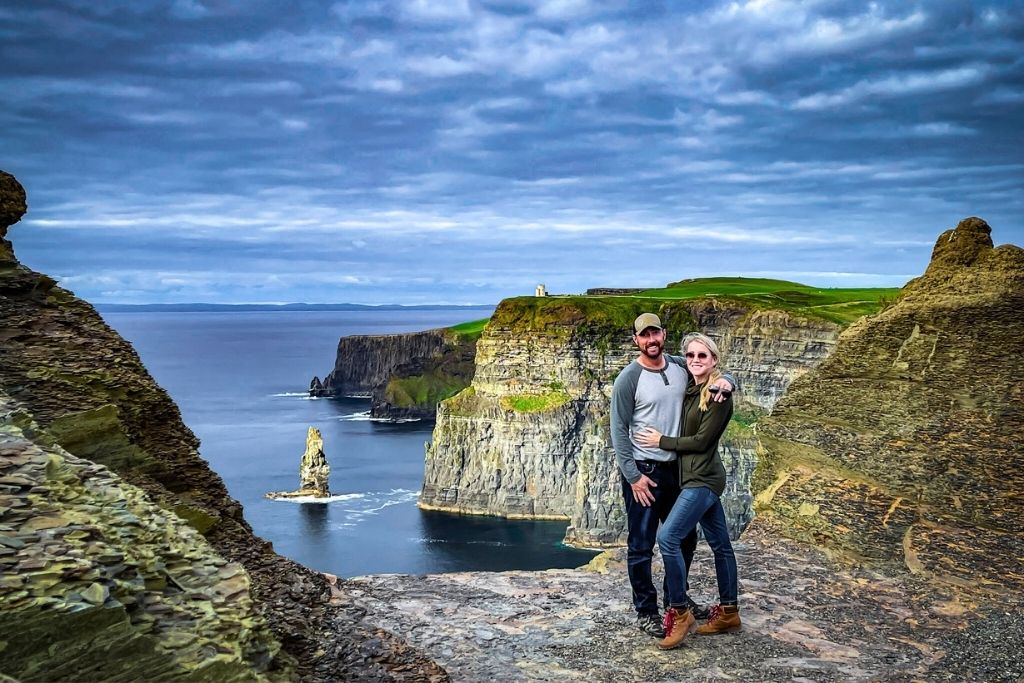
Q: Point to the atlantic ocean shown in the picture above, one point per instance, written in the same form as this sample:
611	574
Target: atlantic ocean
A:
240	379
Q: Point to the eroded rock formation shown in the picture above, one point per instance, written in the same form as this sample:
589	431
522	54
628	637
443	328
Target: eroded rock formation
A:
915	458
314	471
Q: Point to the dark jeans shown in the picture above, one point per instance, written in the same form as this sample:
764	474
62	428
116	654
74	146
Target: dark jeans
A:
642	524
695	505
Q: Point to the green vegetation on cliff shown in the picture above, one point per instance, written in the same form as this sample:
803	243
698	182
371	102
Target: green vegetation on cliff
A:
470	330
535	403
427	389
838	305
598	316
594	317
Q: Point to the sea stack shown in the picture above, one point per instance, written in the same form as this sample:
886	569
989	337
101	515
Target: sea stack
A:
314	472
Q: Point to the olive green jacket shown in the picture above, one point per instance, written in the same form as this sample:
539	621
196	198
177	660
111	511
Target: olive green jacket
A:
699	463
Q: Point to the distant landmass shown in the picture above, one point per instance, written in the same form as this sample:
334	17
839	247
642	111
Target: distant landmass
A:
233	308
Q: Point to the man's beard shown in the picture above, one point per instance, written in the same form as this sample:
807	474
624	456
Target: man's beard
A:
652	350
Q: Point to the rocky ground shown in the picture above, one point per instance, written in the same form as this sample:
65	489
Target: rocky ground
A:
806	618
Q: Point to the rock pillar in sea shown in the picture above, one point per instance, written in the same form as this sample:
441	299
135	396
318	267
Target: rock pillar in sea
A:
314	471
316	388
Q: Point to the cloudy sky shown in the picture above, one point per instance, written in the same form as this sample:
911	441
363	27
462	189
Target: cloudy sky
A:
461	151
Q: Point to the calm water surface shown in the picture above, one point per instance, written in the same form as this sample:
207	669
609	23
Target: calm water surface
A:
240	380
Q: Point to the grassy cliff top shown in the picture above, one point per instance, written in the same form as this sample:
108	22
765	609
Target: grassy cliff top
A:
471	329
841	306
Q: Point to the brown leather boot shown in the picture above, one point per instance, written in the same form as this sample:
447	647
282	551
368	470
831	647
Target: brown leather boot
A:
723	619
677	625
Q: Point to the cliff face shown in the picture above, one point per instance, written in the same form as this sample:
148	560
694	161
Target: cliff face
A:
365	362
914	456
94	574
97	457
766	349
405	375
530	436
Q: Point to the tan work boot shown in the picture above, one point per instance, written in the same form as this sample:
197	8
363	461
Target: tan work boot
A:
723	619
677	625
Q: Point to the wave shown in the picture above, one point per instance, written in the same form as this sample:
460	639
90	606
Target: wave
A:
330	499
366	417
361	504
439	541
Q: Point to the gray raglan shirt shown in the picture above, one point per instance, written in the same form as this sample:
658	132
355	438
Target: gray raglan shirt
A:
641	398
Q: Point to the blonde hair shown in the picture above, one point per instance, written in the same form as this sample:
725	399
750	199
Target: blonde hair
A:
705	393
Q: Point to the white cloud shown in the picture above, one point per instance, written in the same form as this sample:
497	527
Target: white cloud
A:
439	67
434	11
940	129
386	85
32	87
898	85
563	9
234	88
359	9
279	46
188	9
162	118
1002	96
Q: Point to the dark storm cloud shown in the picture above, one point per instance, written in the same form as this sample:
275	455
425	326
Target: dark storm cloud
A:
415	151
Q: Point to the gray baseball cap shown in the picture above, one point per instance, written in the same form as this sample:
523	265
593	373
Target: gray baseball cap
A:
645	320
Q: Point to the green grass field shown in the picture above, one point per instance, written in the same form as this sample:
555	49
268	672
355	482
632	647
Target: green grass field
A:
841	305
838	305
471	329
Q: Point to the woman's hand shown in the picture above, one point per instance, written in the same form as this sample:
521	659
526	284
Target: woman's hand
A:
720	390
649	437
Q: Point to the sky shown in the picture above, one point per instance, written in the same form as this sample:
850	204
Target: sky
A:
256	151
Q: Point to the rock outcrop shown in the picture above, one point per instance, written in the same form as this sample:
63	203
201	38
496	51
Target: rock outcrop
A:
13	205
805	617
114	453
530	438
95	573
915	459
314	471
405	375
316	388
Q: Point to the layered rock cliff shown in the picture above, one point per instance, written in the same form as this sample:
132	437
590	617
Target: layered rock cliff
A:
530	436
405	375
100	483
95	575
915	458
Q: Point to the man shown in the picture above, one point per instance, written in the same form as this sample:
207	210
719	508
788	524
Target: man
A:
649	393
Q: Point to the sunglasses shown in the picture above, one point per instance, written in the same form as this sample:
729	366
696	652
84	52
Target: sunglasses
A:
690	355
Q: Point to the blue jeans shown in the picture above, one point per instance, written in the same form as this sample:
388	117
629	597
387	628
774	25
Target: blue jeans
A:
642	524
695	505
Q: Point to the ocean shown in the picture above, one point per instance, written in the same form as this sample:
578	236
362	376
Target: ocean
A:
240	379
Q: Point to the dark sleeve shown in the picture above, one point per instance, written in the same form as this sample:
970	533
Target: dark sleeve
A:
623	406
712	424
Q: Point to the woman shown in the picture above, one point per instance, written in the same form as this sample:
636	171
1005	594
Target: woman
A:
702	481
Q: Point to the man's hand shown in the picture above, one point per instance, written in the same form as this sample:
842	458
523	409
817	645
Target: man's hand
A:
642	490
724	388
